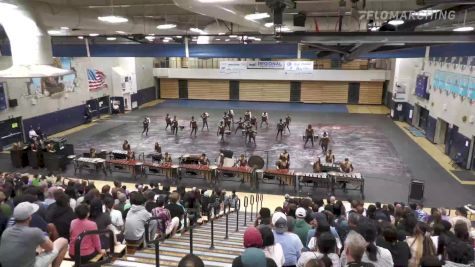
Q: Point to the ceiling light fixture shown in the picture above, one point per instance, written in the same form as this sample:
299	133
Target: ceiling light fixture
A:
257	16
111	38
227	40
217	39
64	28
120	32
93	34
198	30
54	32
221	33
166	40
150	38
166	26
425	12
80	37
269	24
113	19
179	36
463	29
233	36
396	22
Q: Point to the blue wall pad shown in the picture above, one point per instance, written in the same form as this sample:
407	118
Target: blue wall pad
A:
224	105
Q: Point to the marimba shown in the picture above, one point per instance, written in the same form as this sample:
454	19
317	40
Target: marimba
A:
94	164
119	154
208	172
319	180
340	178
246	172
331	167
190	158
132	166
170	169
286	176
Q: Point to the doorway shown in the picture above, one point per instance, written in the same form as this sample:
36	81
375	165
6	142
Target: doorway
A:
441	130
472	155
127	102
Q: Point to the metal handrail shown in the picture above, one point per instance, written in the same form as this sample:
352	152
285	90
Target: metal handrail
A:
77	247
251	201
246	203
237	207
156	242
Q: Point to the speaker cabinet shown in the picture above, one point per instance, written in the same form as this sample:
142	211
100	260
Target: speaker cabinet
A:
299	20
12	103
416	191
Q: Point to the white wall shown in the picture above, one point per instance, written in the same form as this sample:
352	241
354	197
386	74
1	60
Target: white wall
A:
446	107
269	74
17	88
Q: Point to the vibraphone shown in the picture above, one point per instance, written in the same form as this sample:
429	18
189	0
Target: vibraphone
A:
246	172
319	180
285	176
340	178
208	172
119	154
331	167
190	158
132	166
170	170
94	164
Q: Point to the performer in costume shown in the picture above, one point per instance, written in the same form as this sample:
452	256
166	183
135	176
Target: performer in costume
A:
264	119
167	158
227	121
203	160
221	131
126	145
92	153
220	160
285	156
174	125
251	134
231	115
193	125
317	166
242	162
329	157
346	166
205	117
240	125
280	129
168	121
324	141
158	148
146	124
130	154
288	119
308	135
247	115
254	121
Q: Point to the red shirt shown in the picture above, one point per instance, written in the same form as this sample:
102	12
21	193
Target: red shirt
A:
89	243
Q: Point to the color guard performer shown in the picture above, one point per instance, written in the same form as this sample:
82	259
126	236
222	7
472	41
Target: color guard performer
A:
264	119
126	145
282	164
254	121
193	126
288	119
167	158
221	131
285	156
168	121
346	166
329	157
251	134
146	124
324	141
157	156
158	148
247	115
220	160
309	132
231	115
130	154
227	121
205	117
317	166
240	125
174	125
280	129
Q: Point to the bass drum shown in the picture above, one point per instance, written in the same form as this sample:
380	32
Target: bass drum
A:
256	162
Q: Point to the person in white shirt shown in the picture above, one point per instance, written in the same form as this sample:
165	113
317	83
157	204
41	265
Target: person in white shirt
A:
461	216
117	222
32	133
271	249
325	250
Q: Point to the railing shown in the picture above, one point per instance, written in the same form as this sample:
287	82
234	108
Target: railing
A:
156	242
211	206
236	209
246	203
77	248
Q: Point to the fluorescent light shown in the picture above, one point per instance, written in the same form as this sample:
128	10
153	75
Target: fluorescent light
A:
7	6
166	26
284	29
217	39
113	19
227	40
233	36
179	36
80	37
111	38
396	22
256	16
54	32
269	24
93	34
221	33
463	29
257	39
150	38
425	12
166	40
198	30
120	32
64	28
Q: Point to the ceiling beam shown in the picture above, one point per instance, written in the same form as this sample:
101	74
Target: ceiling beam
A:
378	37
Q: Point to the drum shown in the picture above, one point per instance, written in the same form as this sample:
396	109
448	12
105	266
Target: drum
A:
227	132
260	174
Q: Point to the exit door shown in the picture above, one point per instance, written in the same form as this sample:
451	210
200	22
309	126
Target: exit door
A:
353	93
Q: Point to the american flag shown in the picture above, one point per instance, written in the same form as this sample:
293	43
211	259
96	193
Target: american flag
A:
96	79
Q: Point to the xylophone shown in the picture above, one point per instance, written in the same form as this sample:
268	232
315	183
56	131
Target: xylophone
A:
331	167
284	175
132	166
95	164
190	158
208	172
119	154
170	169
355	179
246	172
319	180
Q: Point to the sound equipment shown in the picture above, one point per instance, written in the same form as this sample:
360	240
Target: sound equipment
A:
256	162
227	153
416	191
12	103
299	20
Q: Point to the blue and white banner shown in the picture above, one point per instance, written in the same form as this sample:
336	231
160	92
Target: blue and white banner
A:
265	64
303	67
287	66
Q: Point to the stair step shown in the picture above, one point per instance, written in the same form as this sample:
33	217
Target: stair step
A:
172	260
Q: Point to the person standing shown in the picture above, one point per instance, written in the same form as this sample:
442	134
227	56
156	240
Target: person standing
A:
168	121
227	121
280	129
324	141
240	125
247	115
329	157
174	126
254	122
193	126
146	124
264	119
288	119
221	131
251	134
204	118
309	132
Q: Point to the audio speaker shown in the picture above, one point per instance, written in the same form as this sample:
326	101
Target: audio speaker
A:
12	103
227	153
299	20
416	191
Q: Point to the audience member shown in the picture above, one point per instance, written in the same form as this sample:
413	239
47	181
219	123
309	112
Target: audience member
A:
137	217
271	249
290	242
191	260
325	250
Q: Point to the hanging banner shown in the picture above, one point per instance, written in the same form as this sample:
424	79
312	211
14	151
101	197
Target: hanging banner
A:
265	64
303	67
232	66
287	66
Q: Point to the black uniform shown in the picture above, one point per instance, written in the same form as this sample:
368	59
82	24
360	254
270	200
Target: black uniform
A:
251	134
221	132
240	126
264	118
280	129
288	119
324	141
175	126
227	121
168	121
194	127
204	117
254	122
247	116
308	136
146	124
